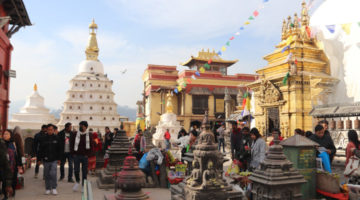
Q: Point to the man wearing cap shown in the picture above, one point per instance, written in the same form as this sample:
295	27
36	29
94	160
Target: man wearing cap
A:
82	146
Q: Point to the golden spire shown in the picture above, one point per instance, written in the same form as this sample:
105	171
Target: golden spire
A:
283	31
35	87
304	15
92	49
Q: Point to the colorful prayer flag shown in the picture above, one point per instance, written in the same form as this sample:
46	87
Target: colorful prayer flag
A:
292	25
193	77
248	105
289	40
285	48
243	103
247	23
308	31
223	48
179	88
346	28
251	18
296	62
228	43
207	66
210	61
232	38
219	53
237	33
176	90
184	84
331	28
255	13
197	73
265	1
242	28
286	78
289	57
188	81
202	69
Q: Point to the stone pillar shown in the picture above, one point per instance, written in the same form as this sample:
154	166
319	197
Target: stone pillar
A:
276	178
205	181
130	180
227	100
117	153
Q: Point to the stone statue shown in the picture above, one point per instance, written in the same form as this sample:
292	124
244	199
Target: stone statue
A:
195	178
209	176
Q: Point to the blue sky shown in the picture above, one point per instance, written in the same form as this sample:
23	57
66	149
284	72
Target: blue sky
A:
134	33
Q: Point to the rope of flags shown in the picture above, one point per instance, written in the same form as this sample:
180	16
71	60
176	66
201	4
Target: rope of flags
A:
203	68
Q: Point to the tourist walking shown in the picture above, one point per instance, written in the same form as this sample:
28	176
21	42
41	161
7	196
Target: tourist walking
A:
235	141
92	156
6	172
221	135
275	132
352	145
37	139
14	160
258	149
81	147
324	140
49	152
167	137
65	154
109	136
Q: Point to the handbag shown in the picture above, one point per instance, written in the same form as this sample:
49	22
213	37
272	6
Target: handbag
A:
352	168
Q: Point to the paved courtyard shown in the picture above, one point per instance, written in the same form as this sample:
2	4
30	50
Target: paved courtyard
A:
35	190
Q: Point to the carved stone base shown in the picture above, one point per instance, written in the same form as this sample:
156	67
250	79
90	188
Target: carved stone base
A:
208	194
128	196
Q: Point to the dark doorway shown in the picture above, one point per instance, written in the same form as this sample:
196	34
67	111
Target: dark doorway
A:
29	146
273	119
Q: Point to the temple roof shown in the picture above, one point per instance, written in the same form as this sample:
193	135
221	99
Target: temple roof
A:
205	56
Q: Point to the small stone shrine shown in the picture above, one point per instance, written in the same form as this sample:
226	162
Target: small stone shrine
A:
130	180
205	180
276	179
117	153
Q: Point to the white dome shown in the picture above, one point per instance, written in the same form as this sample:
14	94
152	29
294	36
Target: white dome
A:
91	66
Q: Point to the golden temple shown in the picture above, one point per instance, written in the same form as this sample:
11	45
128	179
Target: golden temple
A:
285	103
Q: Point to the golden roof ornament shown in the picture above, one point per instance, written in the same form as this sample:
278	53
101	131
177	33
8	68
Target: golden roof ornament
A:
169	106
92	49
283	31
304	15
35	87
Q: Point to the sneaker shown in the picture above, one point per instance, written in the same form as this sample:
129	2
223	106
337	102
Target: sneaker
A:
36	175
47	192
54	192
76	187
71	181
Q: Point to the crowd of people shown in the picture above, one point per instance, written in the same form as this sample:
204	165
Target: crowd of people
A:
78	149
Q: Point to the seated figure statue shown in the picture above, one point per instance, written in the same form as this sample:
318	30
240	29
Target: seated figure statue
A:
209	176
195	178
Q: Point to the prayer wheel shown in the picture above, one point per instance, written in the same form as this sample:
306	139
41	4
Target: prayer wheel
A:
332	124
348	124
357	123
340	124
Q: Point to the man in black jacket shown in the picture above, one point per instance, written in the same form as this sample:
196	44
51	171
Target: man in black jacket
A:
50	152
109	136
5	168
324	140
36	147
64	139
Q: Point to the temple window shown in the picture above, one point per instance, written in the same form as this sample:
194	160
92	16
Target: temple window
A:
99	85
102	108
76	118
80	95
70	107
100	97
79	107
90	118
91	107
223	70
90	85
105	86
90	96
108	97
200	104
91	68
104	118
67	117
113	118
110	108
83	85
73	96
76	84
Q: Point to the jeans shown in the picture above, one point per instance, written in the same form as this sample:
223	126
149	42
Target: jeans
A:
221	142
50	170
84	167
167	144
69	157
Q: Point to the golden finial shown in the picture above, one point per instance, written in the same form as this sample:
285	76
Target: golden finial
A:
92	49
35	87
169	106
283	30
296	22
304	15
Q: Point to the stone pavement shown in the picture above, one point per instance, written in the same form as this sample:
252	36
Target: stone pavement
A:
35	189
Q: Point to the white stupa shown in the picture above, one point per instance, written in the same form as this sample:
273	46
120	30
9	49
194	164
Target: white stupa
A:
167	121
90	97
33	114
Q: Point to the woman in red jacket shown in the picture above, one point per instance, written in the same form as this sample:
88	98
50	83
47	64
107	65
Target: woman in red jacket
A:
92	158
